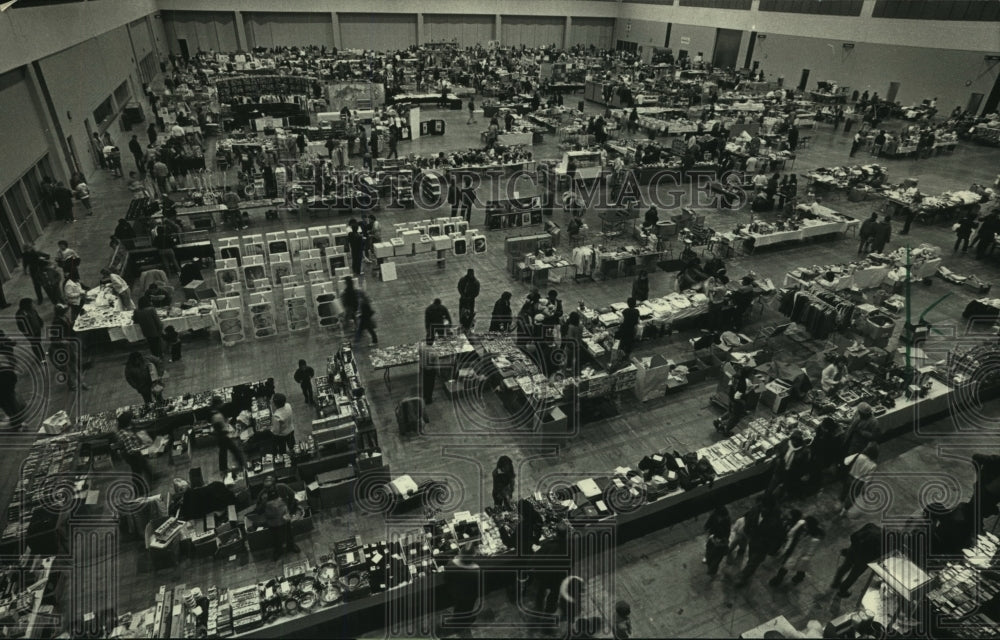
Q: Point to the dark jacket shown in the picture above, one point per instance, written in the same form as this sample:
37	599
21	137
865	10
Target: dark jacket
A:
965	226
882	233
468	287
867	229
139	378
435	316
149	322
502	315
29	323
860	433
34	261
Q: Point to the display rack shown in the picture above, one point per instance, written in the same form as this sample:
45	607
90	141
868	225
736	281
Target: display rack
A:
227	273
229	315
254	270
277	242
327	303
261	306
310	260
296	310
281	267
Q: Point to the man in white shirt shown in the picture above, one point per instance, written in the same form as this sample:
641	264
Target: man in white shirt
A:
119	287
73	293
833	375
176	131
281	423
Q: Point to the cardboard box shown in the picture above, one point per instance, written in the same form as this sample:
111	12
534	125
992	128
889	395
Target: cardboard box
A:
383	250
424	245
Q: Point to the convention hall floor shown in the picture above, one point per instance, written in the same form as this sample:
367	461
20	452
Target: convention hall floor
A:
660	574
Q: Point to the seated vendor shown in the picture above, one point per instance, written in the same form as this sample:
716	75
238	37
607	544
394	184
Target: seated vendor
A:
833	374
159	296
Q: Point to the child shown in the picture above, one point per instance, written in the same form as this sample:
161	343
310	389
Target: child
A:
173	342
304	375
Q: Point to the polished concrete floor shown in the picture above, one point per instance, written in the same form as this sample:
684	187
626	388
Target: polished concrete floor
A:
659	574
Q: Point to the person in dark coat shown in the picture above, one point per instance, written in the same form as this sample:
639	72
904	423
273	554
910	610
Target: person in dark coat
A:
717	527
862	430
34	262
866	547
436	320
627	330
502	317
963	231
640	288
793	137
881	234
151	326
356	244
866	233
151	133
366	318
64	202
503	483
468	291
462	580
30	324
765	533
791	463
986	238
139	376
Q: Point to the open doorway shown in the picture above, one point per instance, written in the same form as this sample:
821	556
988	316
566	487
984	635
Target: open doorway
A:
804	80
182	44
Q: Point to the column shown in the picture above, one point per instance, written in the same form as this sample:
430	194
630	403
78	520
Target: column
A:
420	29
241	31
497	29
335	24
569	25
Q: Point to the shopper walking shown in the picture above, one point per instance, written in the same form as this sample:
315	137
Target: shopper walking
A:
349	299
856	144
502	316
150	325
468	291
64	202
472	111
628	329
963	231
226	441
82	193
30	324
866	233
764	534
161	173
68	259
135	148
640	288
281	423
826	449
866	546
144	374
74	295
366	318
858	468
437	319
52	281
304	375
804	539
717	529
33	262
790	467
356	245
503	483
986	237
151	134
862	430
881	235
130	448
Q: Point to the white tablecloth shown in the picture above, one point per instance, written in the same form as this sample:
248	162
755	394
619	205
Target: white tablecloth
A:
105	312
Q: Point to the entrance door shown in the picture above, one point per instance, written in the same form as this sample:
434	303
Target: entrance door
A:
890	95
975	100
804	80
727	48
182	43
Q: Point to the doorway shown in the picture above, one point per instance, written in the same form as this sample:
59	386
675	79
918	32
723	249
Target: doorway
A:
727	48
182	44
975	100
804	80
890	95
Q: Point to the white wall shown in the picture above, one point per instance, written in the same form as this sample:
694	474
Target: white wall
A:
82	77
532	31
944	34
378	31
467	30
32	33
203	30
23	128
693	39
921	72
288	29
599	32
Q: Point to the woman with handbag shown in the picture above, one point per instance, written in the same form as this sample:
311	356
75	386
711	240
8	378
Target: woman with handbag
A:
144	374
857	468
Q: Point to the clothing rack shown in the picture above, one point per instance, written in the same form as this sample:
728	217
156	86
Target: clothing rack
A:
820	313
